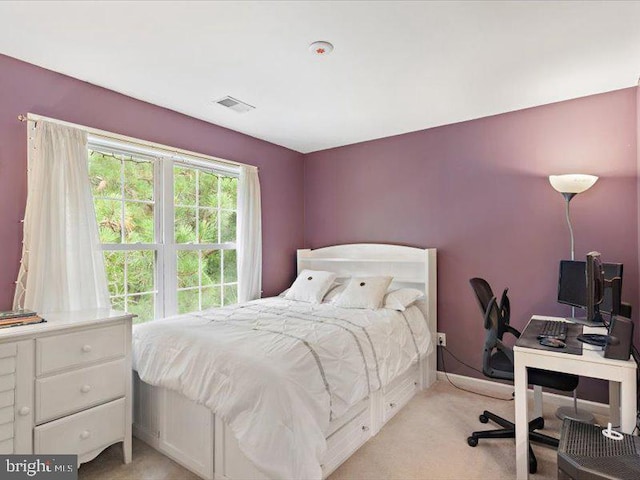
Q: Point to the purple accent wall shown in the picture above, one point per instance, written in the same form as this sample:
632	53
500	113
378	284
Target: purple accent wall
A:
478	191
28	88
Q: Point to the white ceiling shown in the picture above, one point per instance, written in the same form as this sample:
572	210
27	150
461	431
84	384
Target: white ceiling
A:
397	66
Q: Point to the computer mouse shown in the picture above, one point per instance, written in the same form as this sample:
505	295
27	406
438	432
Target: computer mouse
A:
552	342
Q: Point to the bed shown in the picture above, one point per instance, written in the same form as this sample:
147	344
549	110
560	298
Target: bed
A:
329	403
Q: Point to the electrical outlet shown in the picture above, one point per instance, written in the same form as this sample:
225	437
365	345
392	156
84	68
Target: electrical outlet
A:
442	339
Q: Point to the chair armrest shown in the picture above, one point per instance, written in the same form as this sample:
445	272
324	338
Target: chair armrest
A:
512	331
506	350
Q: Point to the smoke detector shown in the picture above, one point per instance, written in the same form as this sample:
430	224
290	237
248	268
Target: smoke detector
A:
235	104
321	48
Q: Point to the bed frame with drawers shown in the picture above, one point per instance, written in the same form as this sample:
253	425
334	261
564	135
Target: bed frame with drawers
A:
191	435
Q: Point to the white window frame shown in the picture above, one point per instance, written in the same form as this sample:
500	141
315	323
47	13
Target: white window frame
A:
165	247
171	247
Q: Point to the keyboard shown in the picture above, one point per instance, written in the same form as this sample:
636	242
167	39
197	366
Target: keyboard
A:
552	329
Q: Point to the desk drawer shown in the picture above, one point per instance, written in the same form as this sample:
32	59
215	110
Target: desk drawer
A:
76	349
83	432
71	392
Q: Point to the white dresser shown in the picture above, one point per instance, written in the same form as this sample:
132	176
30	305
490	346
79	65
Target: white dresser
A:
65	385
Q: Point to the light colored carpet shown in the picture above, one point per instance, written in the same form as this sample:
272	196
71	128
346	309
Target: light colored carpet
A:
427	440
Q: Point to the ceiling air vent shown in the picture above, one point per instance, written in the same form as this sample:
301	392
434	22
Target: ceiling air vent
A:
235	104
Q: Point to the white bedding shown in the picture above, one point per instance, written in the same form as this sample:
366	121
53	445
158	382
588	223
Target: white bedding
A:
278	371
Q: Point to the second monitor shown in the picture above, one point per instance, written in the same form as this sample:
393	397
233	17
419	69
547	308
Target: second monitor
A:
572	287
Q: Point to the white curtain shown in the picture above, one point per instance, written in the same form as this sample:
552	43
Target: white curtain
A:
62	268
249	233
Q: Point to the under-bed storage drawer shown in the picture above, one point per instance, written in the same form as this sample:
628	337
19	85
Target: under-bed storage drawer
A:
83	432
346	440
71	392
58	352
399	392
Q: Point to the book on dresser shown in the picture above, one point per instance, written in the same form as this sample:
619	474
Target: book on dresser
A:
16	314
19	317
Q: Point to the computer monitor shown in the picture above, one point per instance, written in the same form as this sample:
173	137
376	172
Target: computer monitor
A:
572	285
595	287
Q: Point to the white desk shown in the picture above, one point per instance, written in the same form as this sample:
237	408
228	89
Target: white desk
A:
620	373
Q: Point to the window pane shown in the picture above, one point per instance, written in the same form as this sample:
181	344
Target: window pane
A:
211	297
109	217
117	303
230	273
188	266
230	294
229	192
185	225
141	305
138	222
211	267
208	228
227	226
138	179
114	265
188	301
140	270
184	185
104	172
208	189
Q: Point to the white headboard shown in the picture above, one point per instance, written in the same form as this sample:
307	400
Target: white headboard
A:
409	266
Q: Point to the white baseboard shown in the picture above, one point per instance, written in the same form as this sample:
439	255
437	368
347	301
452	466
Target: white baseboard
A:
496	388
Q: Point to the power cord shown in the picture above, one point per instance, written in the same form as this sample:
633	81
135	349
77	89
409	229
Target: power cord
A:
444	369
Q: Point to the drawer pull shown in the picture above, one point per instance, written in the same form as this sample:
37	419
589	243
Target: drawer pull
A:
24	411
365	428
85	388
392	405
85	434
86	348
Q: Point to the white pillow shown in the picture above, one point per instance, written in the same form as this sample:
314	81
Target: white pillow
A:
335	290
401	298
364	292
311	286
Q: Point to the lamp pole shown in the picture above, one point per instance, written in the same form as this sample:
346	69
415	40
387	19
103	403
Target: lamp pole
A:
568	197
569	186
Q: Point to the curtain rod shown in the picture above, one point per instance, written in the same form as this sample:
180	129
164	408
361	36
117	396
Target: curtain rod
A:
31	117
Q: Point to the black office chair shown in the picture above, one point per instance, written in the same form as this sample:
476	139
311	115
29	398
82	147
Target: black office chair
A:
497	362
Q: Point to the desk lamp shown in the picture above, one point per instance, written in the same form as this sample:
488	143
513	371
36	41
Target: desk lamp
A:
569	186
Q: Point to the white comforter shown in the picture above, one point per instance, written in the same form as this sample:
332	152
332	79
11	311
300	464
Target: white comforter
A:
278	371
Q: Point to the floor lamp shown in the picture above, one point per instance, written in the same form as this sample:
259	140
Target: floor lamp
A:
569	186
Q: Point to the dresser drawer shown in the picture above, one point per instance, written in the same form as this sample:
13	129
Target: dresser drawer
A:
75	349
83	432
71	392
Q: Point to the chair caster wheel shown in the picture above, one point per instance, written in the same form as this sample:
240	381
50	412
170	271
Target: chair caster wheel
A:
483	419
541	424
472	441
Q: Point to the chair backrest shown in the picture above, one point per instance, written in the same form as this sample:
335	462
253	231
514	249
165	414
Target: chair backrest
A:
496	318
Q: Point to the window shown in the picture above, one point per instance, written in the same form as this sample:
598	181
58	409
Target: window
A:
168	231
205	235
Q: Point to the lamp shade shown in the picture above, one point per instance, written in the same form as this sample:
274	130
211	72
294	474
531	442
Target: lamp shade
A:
572	183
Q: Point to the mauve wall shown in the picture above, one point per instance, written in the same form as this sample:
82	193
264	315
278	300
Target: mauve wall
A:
478	191
27	88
